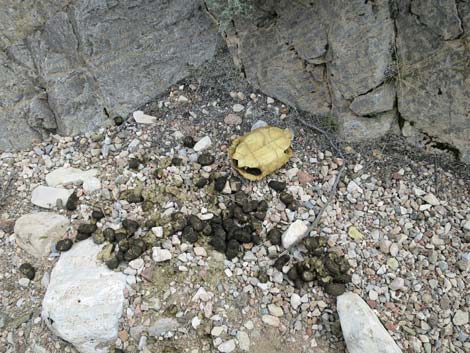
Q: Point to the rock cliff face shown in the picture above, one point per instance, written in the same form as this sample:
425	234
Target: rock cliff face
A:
65	66
366	63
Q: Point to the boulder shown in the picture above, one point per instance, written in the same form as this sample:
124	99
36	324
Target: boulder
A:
92	59
63	176
362	330
47	197
36	232
84	299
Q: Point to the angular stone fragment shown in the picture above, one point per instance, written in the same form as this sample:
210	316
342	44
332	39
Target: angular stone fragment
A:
362	330
63	176
161	255
142	118
203	144
36	232
294	233
47	197
84	299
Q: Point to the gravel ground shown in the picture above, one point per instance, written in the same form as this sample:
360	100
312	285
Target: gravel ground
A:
410	260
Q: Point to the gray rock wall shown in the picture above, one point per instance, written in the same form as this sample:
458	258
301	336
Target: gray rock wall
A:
433	42
66	65
364	62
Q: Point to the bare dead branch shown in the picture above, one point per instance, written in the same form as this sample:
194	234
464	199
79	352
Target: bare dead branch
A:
5	188
334	187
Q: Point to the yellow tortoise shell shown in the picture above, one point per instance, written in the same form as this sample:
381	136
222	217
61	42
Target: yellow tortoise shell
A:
261	152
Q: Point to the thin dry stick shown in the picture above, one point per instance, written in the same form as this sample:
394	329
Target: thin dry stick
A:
332	193
4	189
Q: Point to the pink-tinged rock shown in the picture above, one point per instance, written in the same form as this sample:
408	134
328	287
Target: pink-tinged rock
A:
304	178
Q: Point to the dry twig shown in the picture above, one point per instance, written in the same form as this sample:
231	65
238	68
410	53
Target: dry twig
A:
334	187
5	188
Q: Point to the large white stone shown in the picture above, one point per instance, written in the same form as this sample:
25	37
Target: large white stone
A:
47	197
362	330
84	299
63	176
36	232
294	233
203	144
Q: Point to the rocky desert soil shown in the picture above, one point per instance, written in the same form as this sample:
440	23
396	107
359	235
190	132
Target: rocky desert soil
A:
400	219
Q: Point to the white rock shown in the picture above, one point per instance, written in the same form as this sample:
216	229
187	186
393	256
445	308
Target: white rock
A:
142	118
63	175
237	108
84	299
227	346
373	295
202	144
425	207
46	197
353	187
271	320
91	185
295	300
249	325
163	325
397	284
137	264
217	331
200	251
292	172
183	99
202	294
466	225
36	232
294	233
195	322
161	255
269	100
158	231
362	330
258	124
275	310
460	318
357	168
394	249
23	282
418	192
243	341
431	199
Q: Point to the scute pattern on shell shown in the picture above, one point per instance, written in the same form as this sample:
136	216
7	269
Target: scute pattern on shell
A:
261	152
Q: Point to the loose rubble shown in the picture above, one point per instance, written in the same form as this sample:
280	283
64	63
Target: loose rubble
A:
198	256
